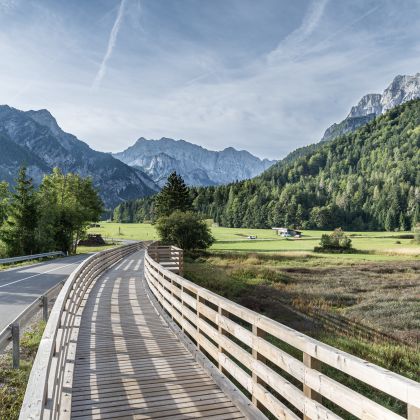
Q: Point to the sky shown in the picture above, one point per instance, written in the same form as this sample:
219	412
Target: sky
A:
266	76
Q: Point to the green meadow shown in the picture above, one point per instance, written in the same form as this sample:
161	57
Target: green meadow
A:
372	245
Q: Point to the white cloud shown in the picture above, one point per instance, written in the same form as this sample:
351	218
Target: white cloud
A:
111	45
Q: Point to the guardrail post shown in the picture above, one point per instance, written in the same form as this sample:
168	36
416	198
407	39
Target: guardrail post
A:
258	333
45	308
312	363
413	413
16	344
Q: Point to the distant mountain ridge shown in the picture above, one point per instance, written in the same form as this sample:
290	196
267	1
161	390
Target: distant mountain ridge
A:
35	139
197	165
402	89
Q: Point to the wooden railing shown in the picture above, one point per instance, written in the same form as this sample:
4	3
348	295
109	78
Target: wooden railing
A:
48	393
168	256
254	351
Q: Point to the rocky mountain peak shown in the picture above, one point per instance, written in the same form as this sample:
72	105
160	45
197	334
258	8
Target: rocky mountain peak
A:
197	165
369	104
402	89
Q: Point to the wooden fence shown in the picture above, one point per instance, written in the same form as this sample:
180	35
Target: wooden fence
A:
255	352
48	391
170	257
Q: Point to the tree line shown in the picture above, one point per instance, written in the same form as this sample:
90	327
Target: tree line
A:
365	180
51	217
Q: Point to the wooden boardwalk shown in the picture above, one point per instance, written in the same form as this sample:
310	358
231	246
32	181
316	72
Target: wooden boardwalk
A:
129	364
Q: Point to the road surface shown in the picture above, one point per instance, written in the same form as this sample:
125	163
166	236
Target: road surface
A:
20	286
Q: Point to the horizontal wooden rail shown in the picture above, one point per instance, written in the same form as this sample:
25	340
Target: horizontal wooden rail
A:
48	391
253	350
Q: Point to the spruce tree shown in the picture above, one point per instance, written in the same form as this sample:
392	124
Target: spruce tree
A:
19	232
173	196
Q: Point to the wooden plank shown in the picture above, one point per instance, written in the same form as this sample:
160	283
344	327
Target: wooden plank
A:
129	363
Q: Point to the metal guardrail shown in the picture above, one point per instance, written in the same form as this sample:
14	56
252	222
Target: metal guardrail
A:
48	393
243	344
31	257
12	332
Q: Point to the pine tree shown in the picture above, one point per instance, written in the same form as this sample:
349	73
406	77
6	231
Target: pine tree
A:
19	232
173	196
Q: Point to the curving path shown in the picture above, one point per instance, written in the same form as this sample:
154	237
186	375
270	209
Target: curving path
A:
130	365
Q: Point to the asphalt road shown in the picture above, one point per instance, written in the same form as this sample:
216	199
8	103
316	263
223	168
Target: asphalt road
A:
21	286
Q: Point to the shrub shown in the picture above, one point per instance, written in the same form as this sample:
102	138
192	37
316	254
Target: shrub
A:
184	229
334	242
417	233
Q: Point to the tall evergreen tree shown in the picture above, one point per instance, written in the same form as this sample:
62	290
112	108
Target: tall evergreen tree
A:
4	201
19	232
173	196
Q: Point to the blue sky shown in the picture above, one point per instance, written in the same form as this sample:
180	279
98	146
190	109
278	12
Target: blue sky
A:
267	76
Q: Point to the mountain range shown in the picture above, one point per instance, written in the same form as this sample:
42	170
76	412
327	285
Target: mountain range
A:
33	138
368	179
197	165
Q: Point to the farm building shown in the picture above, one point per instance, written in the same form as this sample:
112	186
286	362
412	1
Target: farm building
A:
286	232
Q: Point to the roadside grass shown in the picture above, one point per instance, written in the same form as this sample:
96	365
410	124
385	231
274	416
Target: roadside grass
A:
13	381
89	249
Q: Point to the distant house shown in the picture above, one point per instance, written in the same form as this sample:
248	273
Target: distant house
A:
287	233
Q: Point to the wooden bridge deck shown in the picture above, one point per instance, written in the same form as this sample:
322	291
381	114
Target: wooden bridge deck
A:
129	363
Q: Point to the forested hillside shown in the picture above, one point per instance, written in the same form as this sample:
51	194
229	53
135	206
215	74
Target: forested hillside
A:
368	179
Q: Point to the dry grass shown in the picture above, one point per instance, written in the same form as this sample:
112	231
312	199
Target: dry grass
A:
371	297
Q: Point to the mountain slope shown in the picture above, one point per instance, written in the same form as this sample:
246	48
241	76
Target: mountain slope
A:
401	90
38	138
368	179
198	166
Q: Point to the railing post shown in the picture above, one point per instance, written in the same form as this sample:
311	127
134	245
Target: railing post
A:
16	345
220	330
413	413
257	333
181	262
312	363
45	308
199	299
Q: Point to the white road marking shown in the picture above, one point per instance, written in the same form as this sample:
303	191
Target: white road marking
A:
138	264
120	264
35	275
128	265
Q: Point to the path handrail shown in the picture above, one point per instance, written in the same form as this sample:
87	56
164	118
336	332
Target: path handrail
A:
243	345
48	393
31	257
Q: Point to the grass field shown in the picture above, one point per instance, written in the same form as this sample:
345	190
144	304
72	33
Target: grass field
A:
374	245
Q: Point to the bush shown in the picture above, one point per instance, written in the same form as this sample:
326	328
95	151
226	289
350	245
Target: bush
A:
185	230
335	242
417	233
